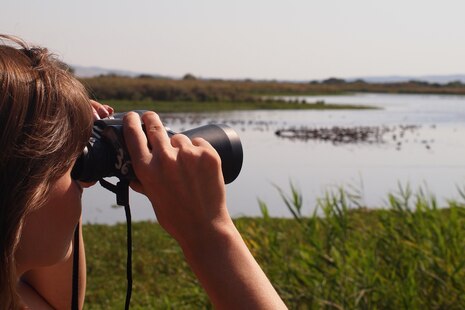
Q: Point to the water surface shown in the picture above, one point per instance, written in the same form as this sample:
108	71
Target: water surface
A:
432	155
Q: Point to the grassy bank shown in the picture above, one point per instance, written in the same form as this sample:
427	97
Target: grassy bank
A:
409	255
198	106
138	88
192	95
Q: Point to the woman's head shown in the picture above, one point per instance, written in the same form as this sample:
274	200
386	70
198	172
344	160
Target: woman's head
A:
45	121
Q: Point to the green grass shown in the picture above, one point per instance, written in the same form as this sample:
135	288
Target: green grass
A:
408	255
207	106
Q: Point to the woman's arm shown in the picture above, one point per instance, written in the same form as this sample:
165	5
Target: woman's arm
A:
183	180
229	273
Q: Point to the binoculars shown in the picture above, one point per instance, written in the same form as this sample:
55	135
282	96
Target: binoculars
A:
106	154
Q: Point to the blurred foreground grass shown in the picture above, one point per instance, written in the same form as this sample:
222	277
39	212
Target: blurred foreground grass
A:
409	255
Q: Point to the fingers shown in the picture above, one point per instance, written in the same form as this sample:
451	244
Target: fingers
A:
109	109
156	132
137	186
136	140
154	150
101	110
196	146
201	142
181	141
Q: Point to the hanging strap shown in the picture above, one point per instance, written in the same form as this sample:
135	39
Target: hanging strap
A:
121	189
75	277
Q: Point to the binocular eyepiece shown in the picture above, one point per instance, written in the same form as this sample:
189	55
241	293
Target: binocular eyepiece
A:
106	154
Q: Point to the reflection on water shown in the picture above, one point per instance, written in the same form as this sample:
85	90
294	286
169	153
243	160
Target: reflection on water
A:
432	155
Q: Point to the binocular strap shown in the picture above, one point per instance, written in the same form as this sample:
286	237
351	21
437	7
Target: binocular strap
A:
121	189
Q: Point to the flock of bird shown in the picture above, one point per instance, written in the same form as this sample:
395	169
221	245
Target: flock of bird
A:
338	135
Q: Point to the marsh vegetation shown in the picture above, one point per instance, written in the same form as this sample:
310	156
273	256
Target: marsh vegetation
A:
191	94
334	254
408	255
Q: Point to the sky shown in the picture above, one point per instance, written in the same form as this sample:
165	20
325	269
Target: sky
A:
291	39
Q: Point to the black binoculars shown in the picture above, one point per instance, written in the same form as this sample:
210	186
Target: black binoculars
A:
106	154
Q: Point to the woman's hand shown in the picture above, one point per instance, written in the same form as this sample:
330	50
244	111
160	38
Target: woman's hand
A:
182	178
101	110
184	182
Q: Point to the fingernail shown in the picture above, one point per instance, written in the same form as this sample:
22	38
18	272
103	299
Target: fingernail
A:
103	112
109	109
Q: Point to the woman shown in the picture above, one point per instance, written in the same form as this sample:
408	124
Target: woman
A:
45	121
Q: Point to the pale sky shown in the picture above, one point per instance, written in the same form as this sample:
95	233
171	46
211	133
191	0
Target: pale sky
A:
291	39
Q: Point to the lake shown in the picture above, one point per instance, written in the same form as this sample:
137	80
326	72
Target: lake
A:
420	140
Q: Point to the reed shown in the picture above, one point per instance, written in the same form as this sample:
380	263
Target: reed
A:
216	90
408	254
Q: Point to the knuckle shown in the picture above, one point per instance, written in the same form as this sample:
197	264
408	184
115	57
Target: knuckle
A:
154	128
151	115
165	157
130	119
178	138
152	121
198	140
187	154
162	153
211	157
130	115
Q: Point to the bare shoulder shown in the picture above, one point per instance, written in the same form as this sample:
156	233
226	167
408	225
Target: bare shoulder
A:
30	298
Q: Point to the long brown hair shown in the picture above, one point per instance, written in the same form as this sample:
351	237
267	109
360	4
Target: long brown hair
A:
45	121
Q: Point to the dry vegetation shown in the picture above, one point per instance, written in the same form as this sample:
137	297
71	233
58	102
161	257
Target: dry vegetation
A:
199	90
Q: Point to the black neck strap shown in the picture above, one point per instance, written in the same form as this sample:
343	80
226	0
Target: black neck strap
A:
121	189
75	279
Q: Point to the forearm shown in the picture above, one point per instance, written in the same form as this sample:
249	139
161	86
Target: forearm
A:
54	283
229	273
183	180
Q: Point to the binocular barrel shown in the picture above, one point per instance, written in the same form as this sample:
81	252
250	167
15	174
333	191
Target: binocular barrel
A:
226	142
106	154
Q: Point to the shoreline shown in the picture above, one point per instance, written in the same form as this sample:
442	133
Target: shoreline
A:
213	106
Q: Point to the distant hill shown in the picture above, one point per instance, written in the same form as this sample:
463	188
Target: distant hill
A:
85	72
440	79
